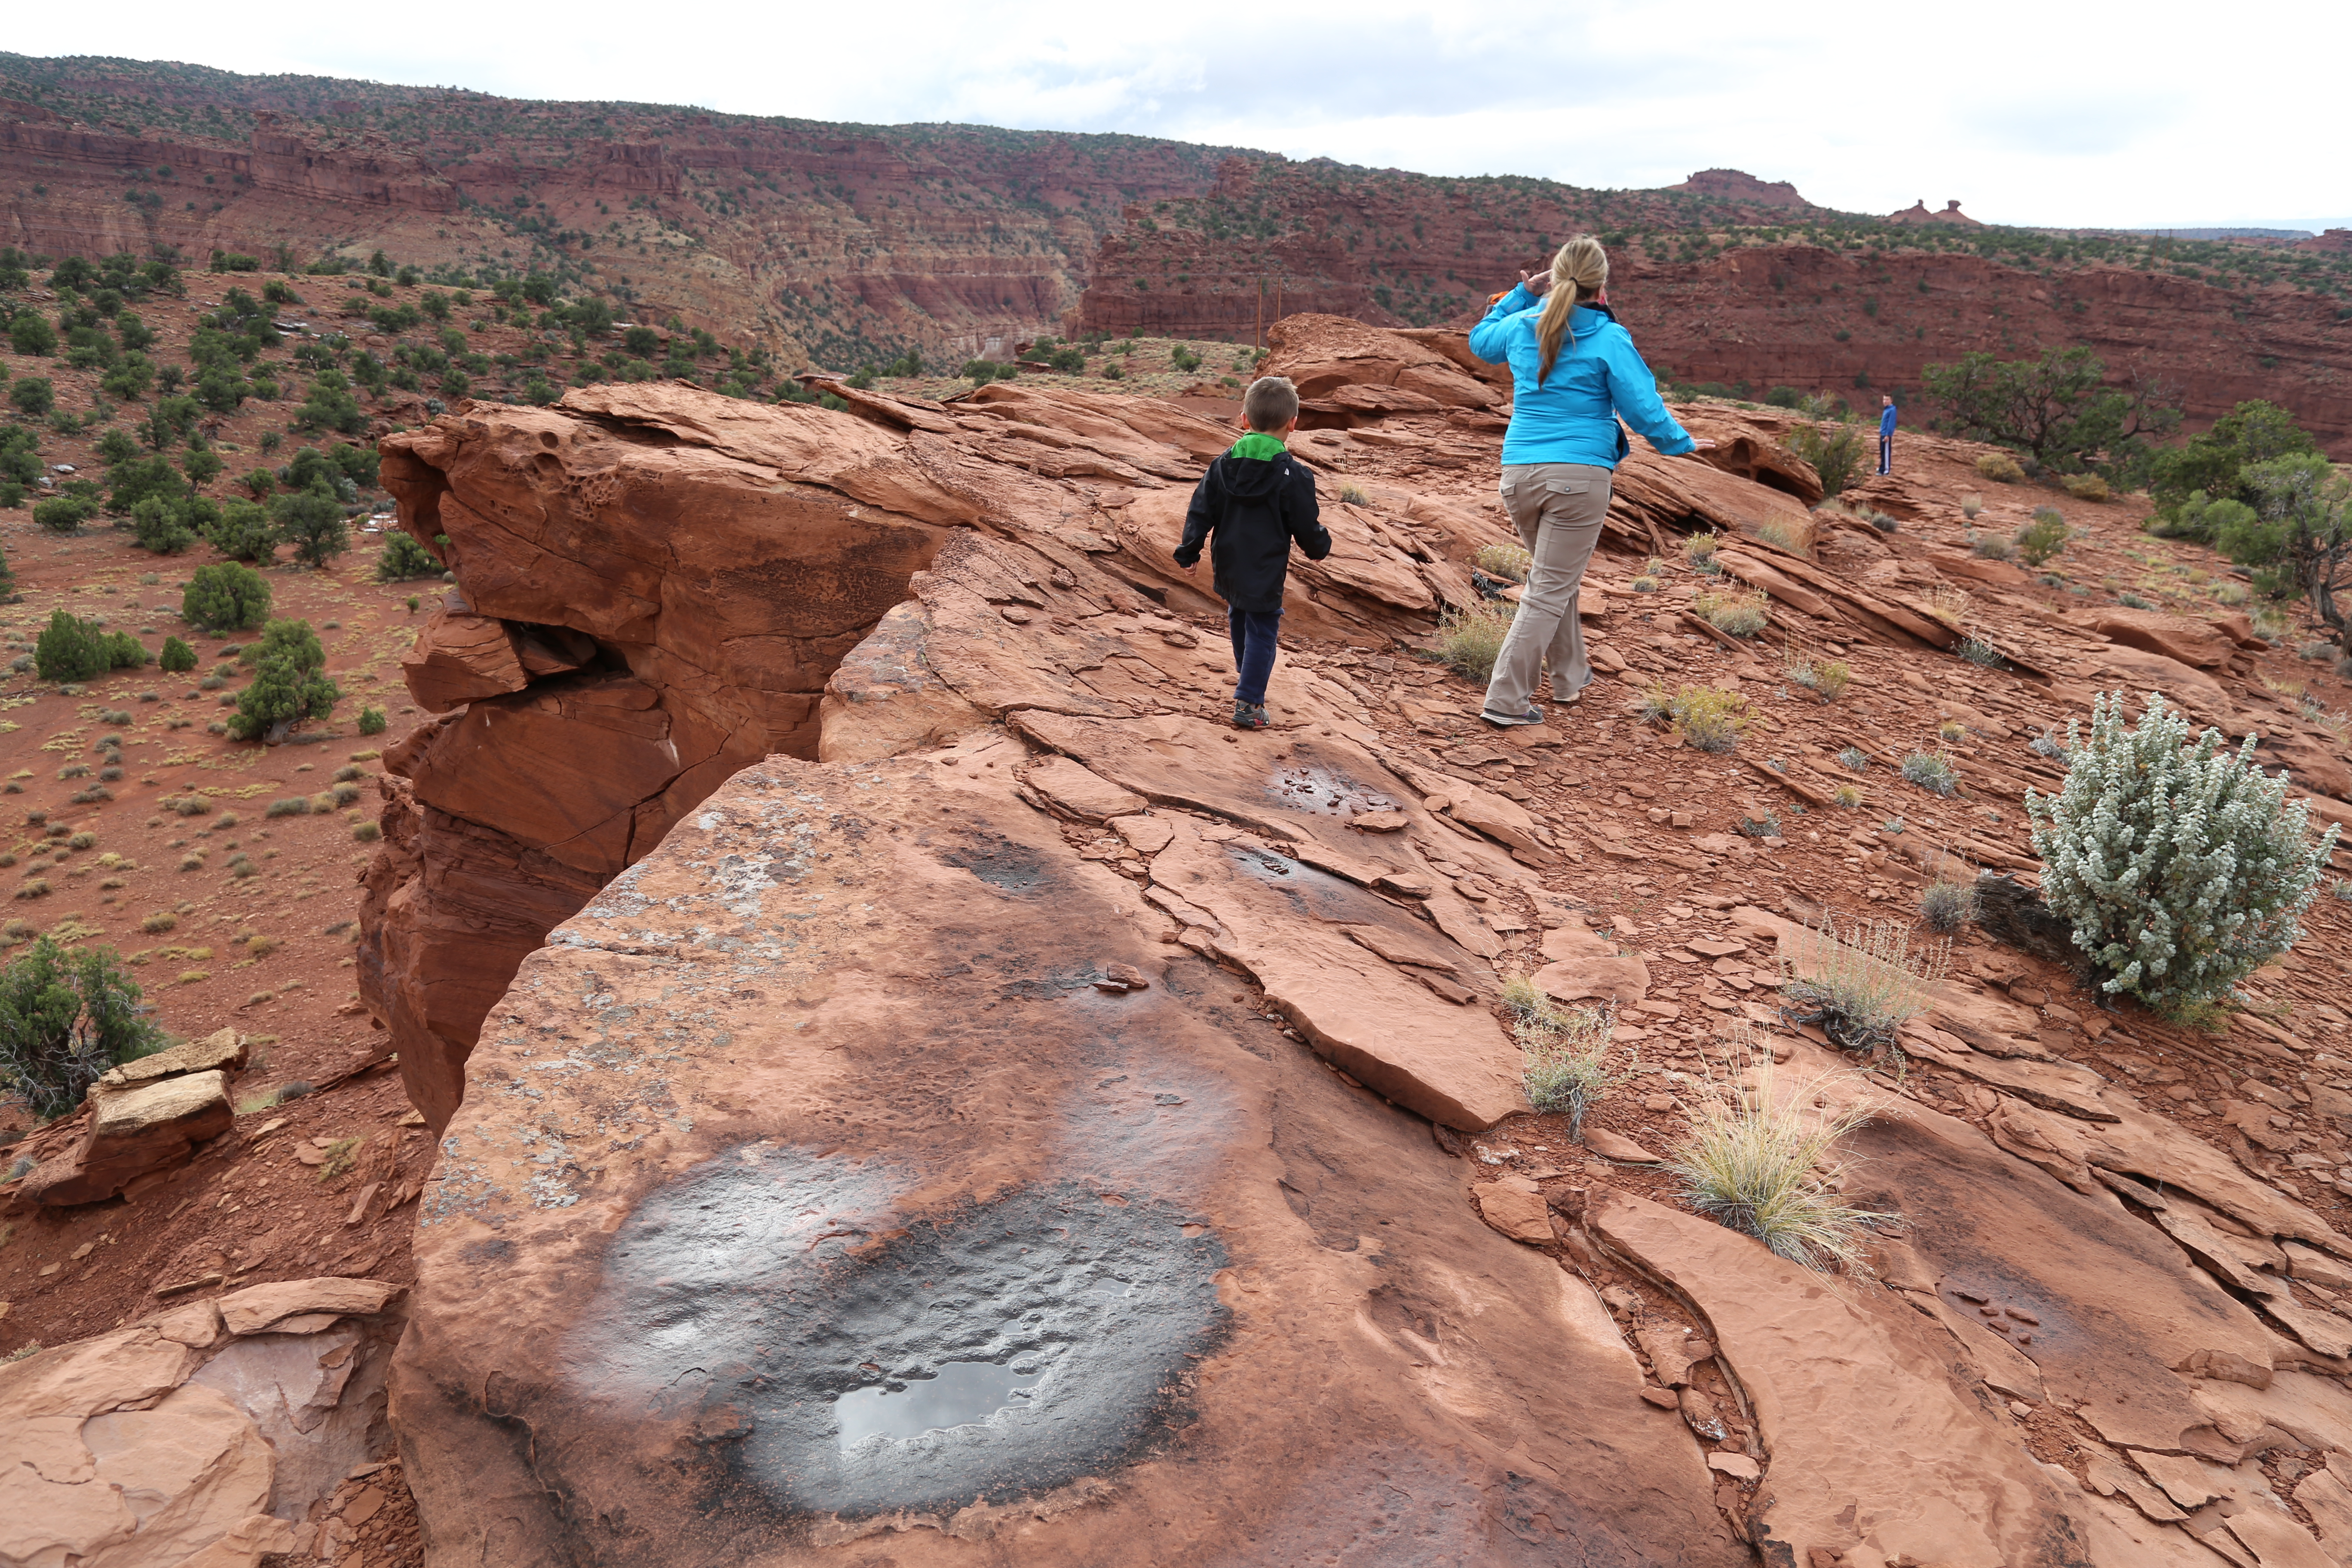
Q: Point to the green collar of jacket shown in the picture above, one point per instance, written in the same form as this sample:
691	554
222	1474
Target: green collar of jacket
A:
1259	444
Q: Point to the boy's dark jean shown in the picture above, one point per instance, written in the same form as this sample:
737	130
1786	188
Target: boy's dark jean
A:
1253	648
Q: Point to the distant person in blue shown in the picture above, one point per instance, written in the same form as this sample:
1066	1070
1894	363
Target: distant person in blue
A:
1574	373
1885	434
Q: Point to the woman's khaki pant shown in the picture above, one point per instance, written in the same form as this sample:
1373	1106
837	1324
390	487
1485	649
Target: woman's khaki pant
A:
1558	509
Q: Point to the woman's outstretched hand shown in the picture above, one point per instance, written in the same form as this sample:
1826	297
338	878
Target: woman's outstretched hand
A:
1536	282
1702	444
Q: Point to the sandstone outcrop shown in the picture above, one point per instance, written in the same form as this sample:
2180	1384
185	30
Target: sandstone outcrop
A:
205	1437
658	585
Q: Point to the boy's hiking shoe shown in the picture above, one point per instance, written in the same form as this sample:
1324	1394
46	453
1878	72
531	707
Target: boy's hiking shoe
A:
1250	716
1510	721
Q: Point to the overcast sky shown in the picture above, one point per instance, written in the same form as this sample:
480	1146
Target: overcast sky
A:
2029	111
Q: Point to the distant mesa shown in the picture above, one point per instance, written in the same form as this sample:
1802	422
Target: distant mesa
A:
2335	240
1918	213
1739	186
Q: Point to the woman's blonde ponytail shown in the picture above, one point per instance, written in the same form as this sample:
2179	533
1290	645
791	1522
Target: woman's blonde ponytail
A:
1579	272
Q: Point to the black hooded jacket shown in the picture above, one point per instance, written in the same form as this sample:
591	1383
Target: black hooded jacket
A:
1254	507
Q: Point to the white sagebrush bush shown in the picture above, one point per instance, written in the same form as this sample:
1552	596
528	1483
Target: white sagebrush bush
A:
2182	867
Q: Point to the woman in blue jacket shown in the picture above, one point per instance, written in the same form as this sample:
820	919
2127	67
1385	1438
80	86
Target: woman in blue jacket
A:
1574	373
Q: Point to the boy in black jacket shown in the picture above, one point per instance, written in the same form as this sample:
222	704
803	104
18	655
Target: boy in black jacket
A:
1256	500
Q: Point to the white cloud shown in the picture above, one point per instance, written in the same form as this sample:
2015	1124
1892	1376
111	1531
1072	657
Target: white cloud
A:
2030	111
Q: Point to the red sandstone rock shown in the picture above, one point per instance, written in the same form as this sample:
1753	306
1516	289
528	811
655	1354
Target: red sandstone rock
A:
1326	355
2204	645
133	1130
460	657
1198	1196
1870	1443
176	1443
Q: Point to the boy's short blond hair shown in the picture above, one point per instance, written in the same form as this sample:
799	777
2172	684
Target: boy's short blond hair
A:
1270	402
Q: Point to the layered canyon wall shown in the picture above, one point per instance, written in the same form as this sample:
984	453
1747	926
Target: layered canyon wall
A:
843	245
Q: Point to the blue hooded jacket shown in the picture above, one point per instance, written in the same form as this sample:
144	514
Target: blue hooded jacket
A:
1598	378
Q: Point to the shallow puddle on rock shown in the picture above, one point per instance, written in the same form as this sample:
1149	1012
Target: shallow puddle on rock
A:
757	1300
964	1394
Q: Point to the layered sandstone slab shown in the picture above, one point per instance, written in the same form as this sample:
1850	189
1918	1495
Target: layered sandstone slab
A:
847	1128
187	1439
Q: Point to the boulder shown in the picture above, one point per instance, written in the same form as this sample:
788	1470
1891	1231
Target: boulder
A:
1515	1205
1327	356
133	1130
258	1309
1580	964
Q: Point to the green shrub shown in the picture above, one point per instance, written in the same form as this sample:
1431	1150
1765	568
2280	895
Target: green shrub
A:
2086	487
1834	451
1946	907
241	531
131	482
1931	771
63	514
70	649
66	1018
1708	718
177	657
1734	614
1564	1056
404	558
167	526
287	687
2043	538
34	395
226	596
2001	469
2300	536
371	720
311	520
1506	561
2181	869
29	332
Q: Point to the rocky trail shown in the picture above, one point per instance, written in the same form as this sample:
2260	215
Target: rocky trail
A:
911	1085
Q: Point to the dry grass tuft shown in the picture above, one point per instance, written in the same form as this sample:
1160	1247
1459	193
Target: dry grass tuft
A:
1947	605
1860	981
1564	1053
1504	560
1734	614
1789	533
1761	1159
1470	640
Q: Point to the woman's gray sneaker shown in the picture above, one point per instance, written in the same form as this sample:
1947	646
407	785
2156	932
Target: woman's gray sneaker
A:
1507	720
